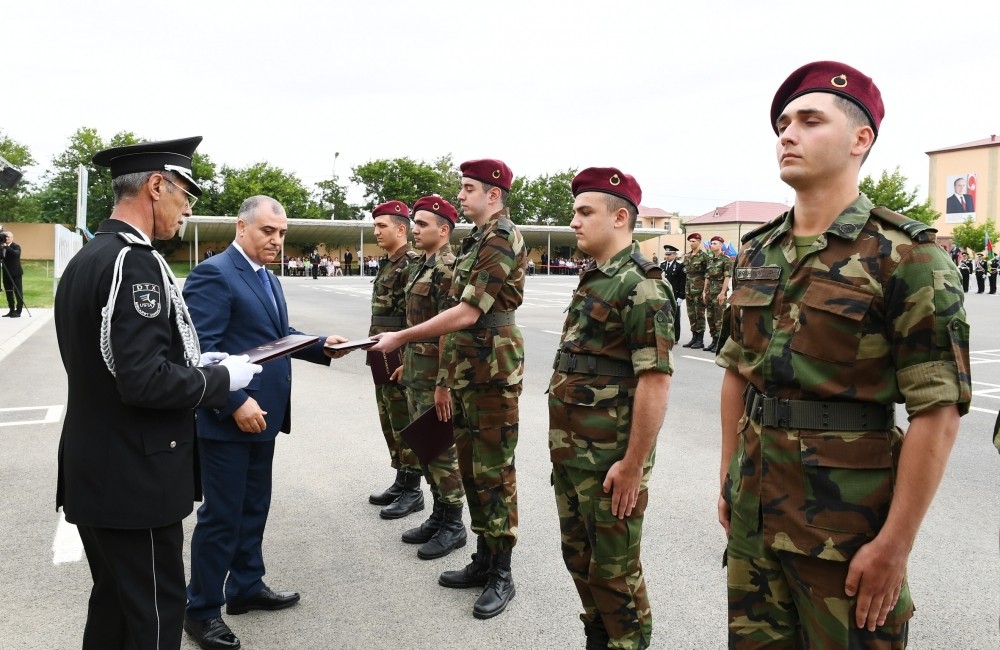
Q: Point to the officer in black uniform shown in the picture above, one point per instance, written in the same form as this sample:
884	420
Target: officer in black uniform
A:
980	268
673	272
992	265
135	373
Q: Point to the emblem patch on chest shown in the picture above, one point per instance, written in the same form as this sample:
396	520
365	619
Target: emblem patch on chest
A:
758	273
146	298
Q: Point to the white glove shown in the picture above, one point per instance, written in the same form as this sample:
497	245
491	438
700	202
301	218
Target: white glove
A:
241	371
209	358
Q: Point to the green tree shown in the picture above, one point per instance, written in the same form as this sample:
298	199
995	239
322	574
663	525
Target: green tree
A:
262	178
890	191
969	236
332	198
450	178
16	203
400	179
546	200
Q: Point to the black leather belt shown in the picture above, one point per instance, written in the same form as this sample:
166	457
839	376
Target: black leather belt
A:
389	321
592	364
493	319
822	416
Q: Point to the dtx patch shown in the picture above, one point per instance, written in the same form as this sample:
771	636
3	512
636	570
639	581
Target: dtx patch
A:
758	273
146	298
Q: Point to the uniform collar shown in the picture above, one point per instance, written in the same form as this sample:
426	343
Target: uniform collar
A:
119	225
403	250
615	262
846	226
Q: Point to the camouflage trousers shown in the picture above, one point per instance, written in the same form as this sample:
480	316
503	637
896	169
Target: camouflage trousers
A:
601	552
780	600
696	312
713	310
486	425
442	473
393	415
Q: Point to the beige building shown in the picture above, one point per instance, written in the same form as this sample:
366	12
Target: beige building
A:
963	183
733	220
668	224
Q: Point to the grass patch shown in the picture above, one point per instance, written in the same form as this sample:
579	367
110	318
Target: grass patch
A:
38	281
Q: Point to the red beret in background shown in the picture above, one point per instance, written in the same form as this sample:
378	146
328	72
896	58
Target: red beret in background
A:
492	172
830	77
397	208
438	206
609	180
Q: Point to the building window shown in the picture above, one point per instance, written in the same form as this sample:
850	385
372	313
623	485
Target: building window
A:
666	226
638	223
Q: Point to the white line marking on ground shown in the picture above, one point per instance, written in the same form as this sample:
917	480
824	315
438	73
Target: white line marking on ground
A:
67	546
981	410
687	356
52	415
552	332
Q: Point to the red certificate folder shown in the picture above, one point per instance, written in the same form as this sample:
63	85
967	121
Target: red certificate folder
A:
428	436
279	348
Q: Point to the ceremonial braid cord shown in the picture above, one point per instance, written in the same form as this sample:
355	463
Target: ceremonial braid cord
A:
185	327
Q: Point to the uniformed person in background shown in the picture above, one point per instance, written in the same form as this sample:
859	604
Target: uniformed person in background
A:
720	269
426	296
607	399
695	266
840	310
992	265
482	361
392	227
965	269
673	272
980	270
135	372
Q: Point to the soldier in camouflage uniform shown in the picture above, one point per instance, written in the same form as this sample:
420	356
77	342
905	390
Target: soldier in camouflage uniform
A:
426	296
696	266
482	362
720	269
607	399
839	311
392	226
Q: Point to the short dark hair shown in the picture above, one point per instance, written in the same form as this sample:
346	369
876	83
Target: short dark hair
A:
400	220
444	222
616	203
855	118
503	193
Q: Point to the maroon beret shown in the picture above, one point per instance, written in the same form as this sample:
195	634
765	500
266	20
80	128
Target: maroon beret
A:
717	238
491	172
438	206
608	180
694	235
830	77
397	208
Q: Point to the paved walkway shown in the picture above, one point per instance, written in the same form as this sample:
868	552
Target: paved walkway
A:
15	331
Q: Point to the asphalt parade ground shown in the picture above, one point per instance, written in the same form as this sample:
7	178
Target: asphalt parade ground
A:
363	588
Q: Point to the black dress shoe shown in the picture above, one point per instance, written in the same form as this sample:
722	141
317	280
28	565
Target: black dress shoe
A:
211	634
264	599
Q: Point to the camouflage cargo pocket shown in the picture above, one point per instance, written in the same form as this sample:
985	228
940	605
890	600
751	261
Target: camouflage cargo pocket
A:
473	356
616	541
743	482
750	323
847	481
831	320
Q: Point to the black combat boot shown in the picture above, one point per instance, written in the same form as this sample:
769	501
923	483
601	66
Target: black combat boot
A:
474	574
425	531
597	635
694	338
449	536
698	342
711	346
388	495
410	500
499	589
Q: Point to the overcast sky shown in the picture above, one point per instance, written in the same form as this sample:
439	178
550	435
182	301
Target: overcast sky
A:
675	93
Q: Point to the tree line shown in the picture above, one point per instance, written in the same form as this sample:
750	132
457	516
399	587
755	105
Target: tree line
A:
52	199
543	200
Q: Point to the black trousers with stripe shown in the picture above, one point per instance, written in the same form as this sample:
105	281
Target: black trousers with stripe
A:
138	598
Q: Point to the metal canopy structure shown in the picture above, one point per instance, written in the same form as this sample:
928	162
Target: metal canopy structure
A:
348	233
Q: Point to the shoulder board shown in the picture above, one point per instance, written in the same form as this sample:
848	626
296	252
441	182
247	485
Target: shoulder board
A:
132	240
916	230
648	267
505	225
413	255
770	225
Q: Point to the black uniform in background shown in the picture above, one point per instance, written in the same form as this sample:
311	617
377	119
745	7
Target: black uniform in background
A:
10	258
127	453
992	266
980	267
674	273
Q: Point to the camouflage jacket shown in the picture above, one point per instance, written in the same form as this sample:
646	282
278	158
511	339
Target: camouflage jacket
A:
719	268
426	296
872	312
696	266
623	313
388	297
489	275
